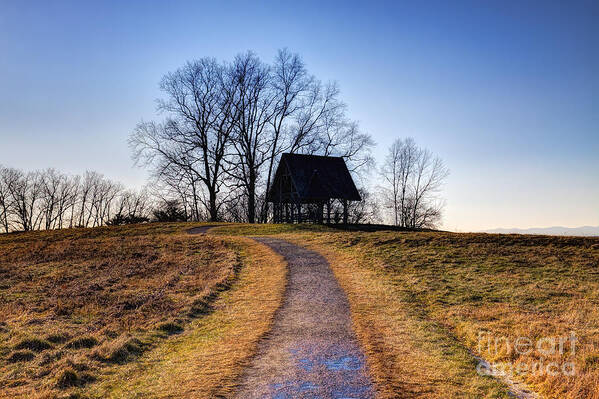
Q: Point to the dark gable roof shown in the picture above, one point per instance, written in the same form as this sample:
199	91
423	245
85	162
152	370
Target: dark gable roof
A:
317	177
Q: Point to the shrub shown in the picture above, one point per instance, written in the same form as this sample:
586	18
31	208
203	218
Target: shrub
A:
170	211
120	219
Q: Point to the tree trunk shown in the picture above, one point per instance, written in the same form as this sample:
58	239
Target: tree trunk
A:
252	198
212	204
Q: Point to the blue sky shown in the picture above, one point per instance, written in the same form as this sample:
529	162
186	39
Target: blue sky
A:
506	92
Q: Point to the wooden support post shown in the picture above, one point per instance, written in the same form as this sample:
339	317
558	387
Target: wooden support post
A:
319	212
345	216
299	212
328	211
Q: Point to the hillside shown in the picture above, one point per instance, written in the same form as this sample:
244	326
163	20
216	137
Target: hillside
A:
78	306
151	311
421	300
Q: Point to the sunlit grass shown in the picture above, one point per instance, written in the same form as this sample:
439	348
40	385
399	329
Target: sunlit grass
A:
78	303
420	300
207	359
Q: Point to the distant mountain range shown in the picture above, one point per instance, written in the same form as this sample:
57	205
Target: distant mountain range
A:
554	231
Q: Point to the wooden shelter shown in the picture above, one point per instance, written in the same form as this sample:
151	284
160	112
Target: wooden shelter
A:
305	184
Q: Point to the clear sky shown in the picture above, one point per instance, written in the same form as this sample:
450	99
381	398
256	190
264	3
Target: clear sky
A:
506	92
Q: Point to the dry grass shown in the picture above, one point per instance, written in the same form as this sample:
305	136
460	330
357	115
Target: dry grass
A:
148	311
75	303
420	300
207	359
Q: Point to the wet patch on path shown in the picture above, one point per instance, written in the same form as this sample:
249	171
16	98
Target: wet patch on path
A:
311	351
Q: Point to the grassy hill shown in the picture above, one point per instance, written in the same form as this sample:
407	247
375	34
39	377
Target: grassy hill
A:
151	311
425	303
79	307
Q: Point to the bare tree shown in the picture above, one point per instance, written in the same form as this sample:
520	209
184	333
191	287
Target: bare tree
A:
428	178
89	181
253	142
228	124
51	182
52	200
301	107
130	206
413	178
289	83
396	172
195	138
25	191
6	202
67	199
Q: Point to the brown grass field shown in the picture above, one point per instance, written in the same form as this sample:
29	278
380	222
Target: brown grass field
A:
80	306
150	311
420	300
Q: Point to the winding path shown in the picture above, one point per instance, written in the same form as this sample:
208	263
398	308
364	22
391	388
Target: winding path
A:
311	351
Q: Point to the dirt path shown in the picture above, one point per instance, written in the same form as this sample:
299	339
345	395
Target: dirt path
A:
311	351
202	229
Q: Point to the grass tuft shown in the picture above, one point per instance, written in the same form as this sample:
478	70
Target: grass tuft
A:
21	356
121	350
58	338
82	342
170	328
200	307
592	361
68	378
33	344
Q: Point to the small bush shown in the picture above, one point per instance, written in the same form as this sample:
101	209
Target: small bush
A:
170	328
33	344
82	342
21	356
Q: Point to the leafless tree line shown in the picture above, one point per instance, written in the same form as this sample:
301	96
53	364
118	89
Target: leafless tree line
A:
49	199
226	126
412	178
214	155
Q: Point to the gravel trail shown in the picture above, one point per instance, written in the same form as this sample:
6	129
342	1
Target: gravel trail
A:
311	351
